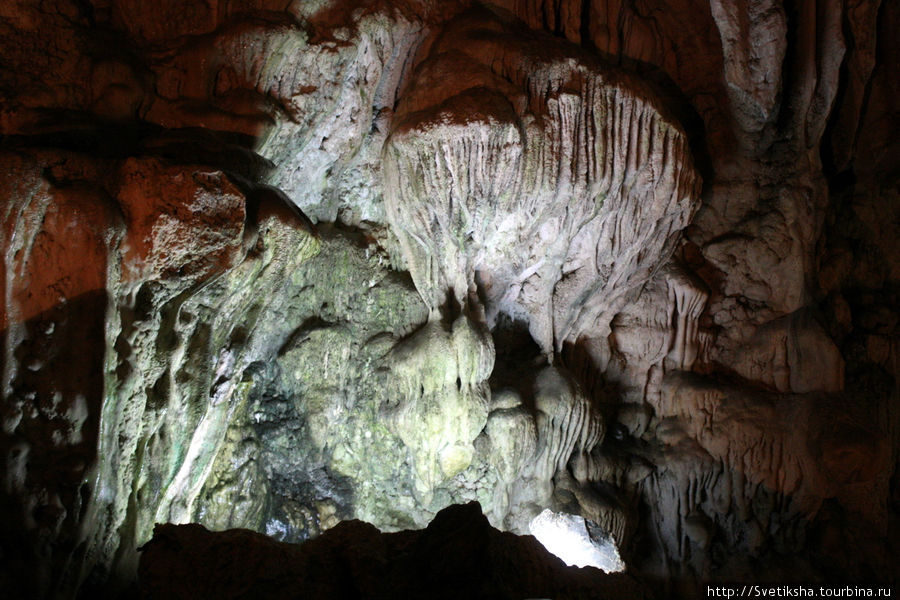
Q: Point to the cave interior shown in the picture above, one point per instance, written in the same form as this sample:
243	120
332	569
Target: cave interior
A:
349	299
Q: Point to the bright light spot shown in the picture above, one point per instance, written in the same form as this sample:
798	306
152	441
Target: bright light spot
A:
276	529
567	537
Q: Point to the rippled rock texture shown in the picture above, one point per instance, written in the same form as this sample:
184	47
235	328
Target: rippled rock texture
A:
274	265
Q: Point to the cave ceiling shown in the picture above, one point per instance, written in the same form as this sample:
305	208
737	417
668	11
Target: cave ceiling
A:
276	264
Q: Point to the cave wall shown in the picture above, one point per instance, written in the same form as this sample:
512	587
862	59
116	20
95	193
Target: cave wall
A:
275	264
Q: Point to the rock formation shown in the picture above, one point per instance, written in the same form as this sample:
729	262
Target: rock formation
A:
532	179
459	555
277	265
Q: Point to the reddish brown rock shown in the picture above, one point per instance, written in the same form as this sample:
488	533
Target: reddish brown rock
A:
153	156
459	555
180	221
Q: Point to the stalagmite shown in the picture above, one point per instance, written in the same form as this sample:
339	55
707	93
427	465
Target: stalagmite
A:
282	265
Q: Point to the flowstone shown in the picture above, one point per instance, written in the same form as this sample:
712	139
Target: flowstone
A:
538	183
504	283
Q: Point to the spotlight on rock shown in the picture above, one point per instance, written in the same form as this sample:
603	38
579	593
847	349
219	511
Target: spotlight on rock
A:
579	543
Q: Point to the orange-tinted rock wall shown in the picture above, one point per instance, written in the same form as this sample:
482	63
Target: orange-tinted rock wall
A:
683	213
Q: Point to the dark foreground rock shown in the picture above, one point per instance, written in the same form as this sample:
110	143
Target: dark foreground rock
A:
459	555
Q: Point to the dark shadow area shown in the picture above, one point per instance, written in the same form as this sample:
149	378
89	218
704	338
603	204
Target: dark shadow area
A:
604	395
291	482
98	137
459	555
679	106
52	412
518	359
834	548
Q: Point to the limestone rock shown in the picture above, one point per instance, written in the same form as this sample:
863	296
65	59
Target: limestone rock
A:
569	535
446	403
565	422
555	186
279	265
792	354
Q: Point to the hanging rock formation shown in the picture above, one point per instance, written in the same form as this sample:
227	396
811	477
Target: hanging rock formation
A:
276	265
533	177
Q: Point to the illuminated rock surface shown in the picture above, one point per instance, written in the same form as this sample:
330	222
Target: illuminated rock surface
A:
570	538
533	179
275	265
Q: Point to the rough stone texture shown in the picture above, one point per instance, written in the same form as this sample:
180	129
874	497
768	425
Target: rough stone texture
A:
527	175
569	537
275	264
